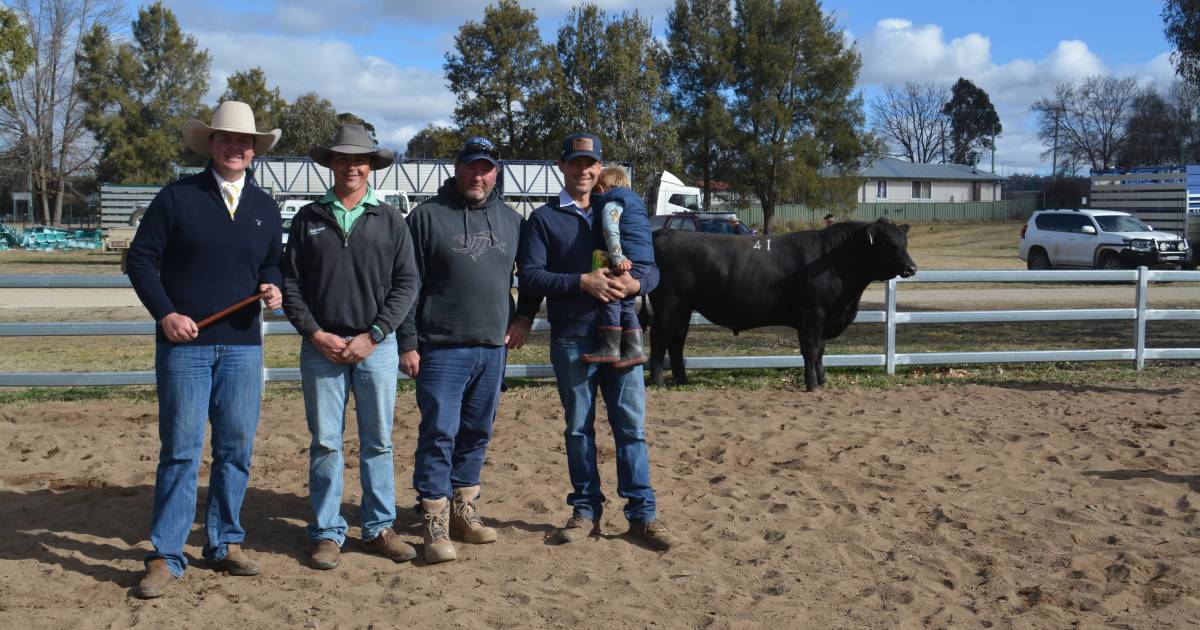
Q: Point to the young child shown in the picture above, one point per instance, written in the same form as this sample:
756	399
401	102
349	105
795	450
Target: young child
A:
627	234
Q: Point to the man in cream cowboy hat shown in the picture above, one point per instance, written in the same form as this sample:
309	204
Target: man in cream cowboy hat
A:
349	280
206	242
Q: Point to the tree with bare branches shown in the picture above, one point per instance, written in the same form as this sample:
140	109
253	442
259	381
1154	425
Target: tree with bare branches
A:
44	117
1086	124
910	120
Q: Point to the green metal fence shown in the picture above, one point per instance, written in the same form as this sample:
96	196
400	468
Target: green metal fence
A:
800	215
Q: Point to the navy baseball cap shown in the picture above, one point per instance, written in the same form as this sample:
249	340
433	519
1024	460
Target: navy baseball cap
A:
581	145
478	148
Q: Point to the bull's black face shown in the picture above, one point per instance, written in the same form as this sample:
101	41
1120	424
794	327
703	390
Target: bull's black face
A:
889	250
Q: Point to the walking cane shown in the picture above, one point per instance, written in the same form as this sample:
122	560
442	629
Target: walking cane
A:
223	312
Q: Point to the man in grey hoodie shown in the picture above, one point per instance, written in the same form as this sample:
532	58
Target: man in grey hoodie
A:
453	342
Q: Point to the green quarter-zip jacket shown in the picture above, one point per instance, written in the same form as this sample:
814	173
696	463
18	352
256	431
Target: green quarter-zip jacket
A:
346	283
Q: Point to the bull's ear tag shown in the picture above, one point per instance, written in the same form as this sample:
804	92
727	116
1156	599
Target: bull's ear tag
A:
870	236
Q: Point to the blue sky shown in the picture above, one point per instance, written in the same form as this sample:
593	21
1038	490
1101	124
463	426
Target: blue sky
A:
383	59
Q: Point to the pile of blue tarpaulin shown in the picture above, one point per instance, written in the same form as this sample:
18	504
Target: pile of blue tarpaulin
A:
8	237
48	239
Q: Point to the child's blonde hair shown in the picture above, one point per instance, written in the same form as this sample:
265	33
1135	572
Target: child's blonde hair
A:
613	176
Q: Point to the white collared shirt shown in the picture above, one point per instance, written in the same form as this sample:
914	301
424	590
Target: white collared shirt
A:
565	201
238	184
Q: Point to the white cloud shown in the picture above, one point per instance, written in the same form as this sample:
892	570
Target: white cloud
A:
898	50
399	101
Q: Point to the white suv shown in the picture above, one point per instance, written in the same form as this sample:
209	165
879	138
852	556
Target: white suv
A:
1100	239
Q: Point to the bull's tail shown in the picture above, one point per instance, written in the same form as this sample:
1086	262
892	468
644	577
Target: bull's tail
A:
645	312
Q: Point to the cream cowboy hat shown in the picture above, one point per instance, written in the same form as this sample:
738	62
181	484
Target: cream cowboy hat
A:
233	117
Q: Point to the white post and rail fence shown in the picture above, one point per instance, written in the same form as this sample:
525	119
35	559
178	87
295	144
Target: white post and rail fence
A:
1138	314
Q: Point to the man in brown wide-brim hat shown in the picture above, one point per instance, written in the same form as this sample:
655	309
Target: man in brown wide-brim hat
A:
349	280
206	242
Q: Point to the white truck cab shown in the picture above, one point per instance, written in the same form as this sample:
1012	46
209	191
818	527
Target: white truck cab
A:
673	196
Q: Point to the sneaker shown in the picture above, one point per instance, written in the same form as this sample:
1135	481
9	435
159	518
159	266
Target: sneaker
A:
436	533
325	555
236	562
387	544
577	528
654	534
155	581
465	523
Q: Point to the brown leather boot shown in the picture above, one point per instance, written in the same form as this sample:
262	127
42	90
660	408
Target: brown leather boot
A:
465	523
654	534
436	533
631	349
325	555
155	581
236	562
389	545
610	347
578	528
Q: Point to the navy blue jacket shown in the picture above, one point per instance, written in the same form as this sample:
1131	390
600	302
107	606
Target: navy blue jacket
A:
189	257
556	248
636	241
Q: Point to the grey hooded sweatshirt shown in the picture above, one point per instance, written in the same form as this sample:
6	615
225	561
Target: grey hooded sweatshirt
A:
465	258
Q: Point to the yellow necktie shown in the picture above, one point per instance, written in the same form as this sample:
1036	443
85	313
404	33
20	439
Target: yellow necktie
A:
230	193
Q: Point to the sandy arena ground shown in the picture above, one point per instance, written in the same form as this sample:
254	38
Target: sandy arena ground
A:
956	506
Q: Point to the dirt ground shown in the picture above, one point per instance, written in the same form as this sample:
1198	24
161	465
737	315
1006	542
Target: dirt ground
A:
949	506
956	506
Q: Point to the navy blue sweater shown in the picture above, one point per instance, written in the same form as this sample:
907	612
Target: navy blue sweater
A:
189	257
556	248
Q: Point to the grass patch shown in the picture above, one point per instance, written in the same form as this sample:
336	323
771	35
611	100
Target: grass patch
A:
26	396
84	261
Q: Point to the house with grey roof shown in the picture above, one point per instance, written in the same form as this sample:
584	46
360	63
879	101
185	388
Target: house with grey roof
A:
888	179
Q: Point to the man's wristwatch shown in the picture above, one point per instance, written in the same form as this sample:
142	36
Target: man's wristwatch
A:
377	335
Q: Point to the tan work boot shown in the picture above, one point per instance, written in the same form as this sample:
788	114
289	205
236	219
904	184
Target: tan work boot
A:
325	555
654	534
465	523
577	528
436	533
387	544
236	562
155	581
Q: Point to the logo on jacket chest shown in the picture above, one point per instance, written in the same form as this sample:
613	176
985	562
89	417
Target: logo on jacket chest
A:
477	244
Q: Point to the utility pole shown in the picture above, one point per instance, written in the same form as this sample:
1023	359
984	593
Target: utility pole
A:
993	152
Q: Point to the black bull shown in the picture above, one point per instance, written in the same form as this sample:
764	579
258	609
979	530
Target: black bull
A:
810	281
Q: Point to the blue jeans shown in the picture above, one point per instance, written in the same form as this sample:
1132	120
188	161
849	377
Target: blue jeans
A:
327	388
620	314
624	394
458	390
223	385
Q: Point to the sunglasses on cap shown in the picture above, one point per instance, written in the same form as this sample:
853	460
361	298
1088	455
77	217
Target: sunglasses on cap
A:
480	146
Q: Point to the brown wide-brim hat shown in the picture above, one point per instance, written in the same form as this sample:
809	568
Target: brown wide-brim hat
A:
353	139
231	117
